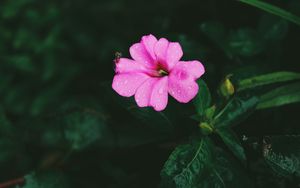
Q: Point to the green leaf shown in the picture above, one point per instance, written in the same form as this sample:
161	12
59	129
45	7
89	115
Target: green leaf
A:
9	150
235	111
203	99
186	164
13	8
232	142
206	129
280	96
45	180
6	128
45	98
22	63
86	128
273	10
224	172
245	42
83	129
265	79
215	31
272	28
210	112
282	154
151	117
160	121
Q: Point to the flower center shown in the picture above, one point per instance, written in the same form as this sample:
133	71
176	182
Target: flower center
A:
162	72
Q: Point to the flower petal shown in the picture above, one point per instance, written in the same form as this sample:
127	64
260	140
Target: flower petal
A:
192	68
139	53
174	53
149	42
143	93
168	53
160	50
125	65
159	96
126	84
182	86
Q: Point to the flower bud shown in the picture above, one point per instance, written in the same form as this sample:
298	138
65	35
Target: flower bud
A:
227	88
206	128
210	112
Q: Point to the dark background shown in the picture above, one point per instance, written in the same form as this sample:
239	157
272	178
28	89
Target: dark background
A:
56	67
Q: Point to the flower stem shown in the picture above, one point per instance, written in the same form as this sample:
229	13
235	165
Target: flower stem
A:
11	183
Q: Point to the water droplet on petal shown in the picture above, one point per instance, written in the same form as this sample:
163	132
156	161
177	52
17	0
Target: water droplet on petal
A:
161	90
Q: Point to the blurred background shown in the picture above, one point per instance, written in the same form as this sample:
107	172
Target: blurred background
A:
56	67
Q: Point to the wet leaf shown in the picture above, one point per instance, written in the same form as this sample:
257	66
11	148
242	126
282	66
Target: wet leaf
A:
203	99
273	10
186	164
260	80
282	154
235	111
232	142
280	96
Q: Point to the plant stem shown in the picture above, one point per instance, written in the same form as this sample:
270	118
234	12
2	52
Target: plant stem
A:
11	183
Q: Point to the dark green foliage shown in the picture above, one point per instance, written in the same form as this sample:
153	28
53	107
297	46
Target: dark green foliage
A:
203	98
8	150
267	79
225	172
83	129
273	10
202	164
187	164
280	96
45	180
235	111
233	143
62	125
245	42
285	161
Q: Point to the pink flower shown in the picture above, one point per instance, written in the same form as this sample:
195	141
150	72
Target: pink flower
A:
155	72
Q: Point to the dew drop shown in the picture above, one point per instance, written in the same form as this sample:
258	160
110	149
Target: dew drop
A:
161	90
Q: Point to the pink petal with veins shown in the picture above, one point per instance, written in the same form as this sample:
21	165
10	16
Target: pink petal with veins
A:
125	65
139	53
174	53
126	84
143	93
192	68
149	42
159	96
182	80
160	50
